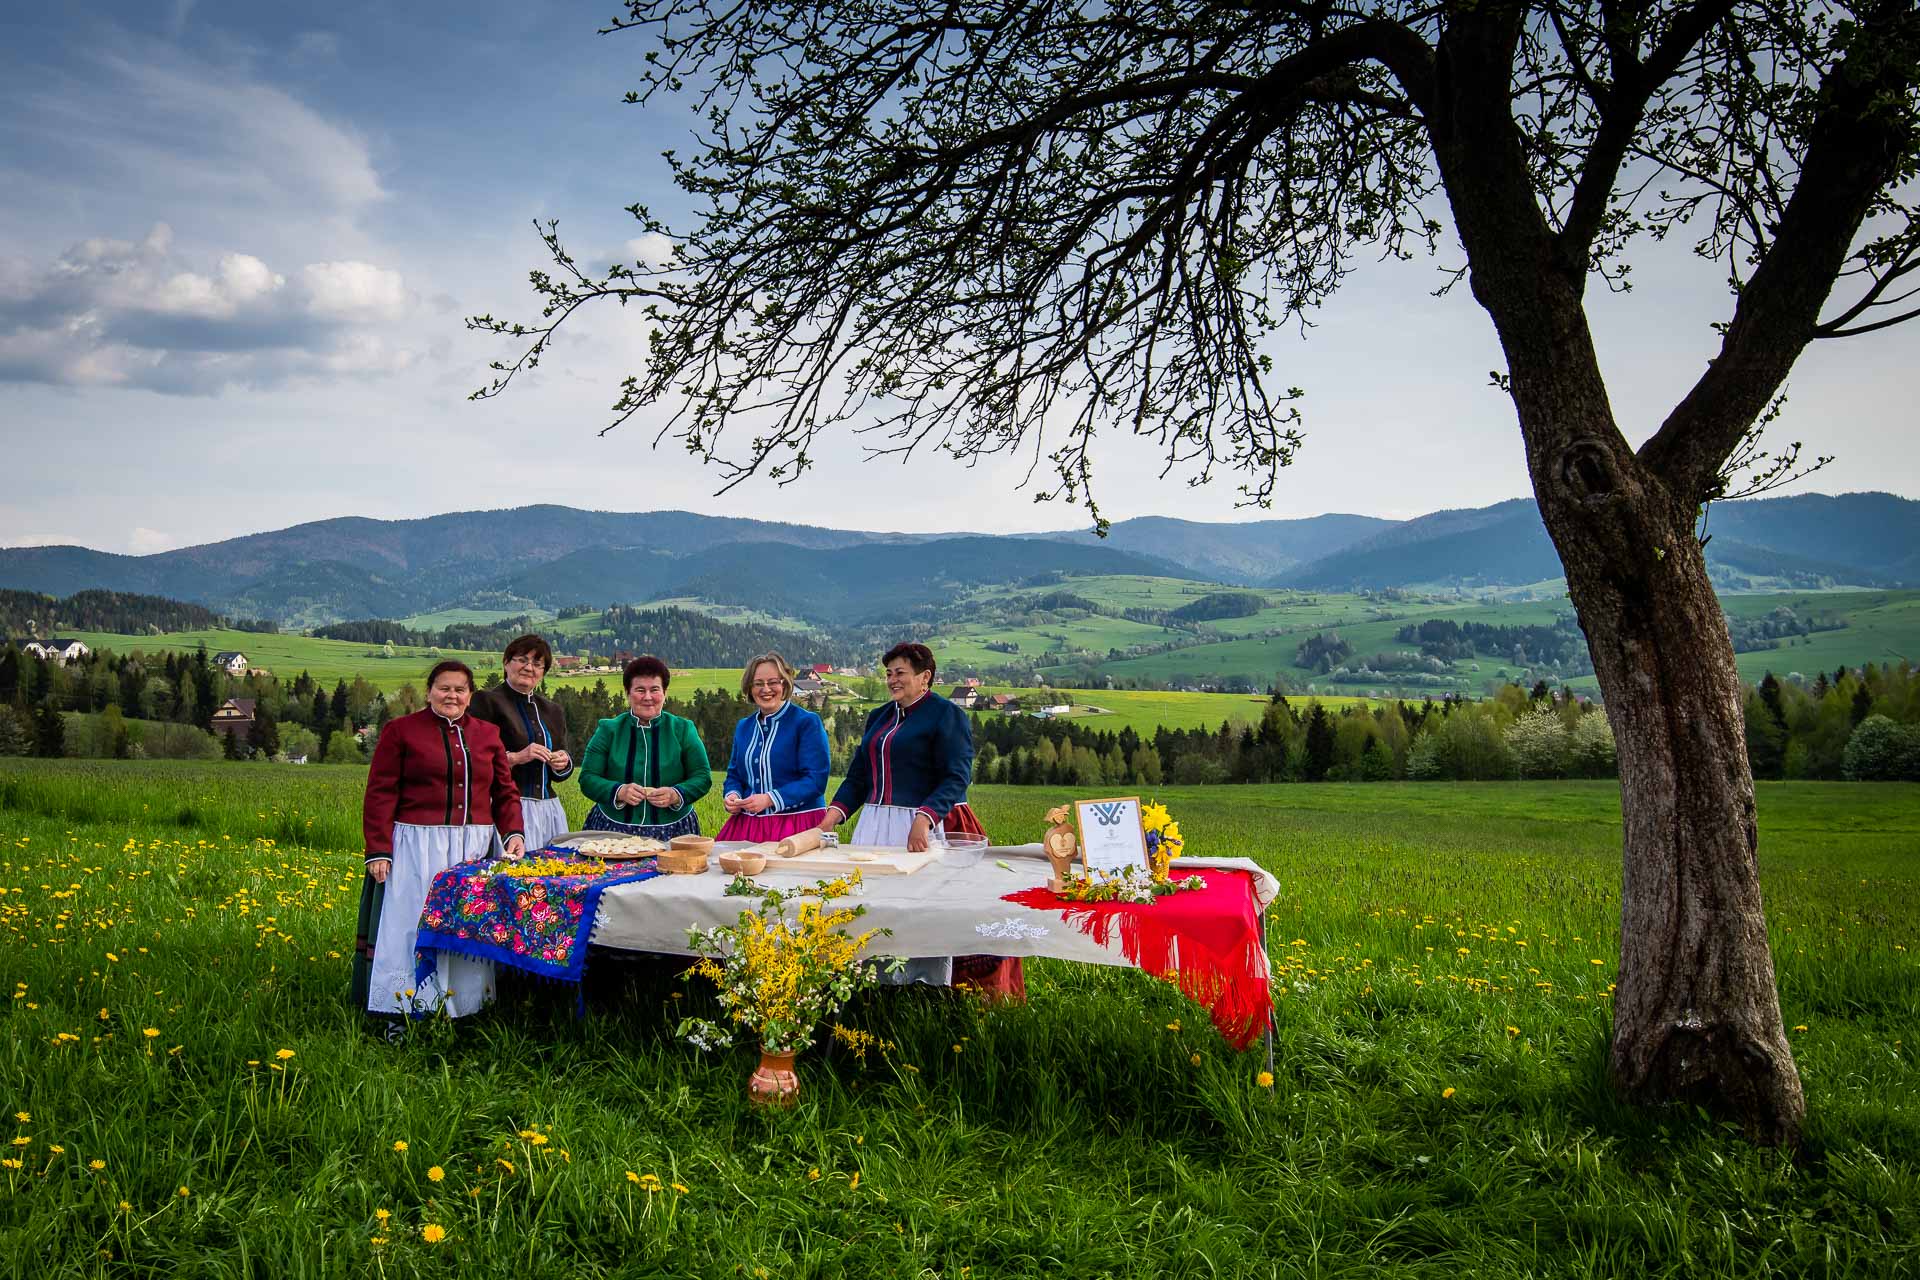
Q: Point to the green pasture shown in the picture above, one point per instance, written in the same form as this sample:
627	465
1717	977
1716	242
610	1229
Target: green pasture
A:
188	1093
288	655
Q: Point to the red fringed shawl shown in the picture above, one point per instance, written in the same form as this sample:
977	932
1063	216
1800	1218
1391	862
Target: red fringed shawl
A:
1208	940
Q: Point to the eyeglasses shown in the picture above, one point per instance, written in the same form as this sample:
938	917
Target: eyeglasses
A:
769	684
527	660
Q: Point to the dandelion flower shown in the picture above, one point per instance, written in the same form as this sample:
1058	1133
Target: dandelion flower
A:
399	1146
649	1182
126	1207
383	1214
377	1241
436	1174
813	1175
433	1233
283	1054
634	1177
151	1033
9	1163
24	1117
504	1164
1447	1092
1264	1079
1596	962
853	1183
184	1193
57	1149
96	1165
1513	1031
1174	1025
1801	1027
1194	1059
23	1142
681	1187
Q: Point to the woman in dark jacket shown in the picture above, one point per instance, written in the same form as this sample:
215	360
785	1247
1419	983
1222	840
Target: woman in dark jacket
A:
534	730
908	777
438	792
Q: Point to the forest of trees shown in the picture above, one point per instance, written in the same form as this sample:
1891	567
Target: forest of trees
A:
30	613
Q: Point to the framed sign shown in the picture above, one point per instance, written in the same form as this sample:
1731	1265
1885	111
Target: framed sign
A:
1111	835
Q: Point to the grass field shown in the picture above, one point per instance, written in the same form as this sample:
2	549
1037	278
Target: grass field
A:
287	656
190	1093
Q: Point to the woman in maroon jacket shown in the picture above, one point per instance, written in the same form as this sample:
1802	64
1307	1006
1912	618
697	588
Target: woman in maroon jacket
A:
438	790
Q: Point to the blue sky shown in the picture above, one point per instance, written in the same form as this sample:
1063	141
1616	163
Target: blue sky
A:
238	241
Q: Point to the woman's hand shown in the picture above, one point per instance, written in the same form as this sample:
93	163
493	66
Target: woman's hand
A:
513	848
731	802
558	761
758	802
832	821
532	751
379	869
662	797
920	837
629	794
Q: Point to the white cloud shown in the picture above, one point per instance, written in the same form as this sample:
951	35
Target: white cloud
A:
650	250
354	289
118	313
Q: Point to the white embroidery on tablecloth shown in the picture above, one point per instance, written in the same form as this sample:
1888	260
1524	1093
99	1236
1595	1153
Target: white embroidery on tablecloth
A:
1010	929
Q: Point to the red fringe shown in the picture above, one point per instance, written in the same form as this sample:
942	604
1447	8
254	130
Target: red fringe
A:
1207	940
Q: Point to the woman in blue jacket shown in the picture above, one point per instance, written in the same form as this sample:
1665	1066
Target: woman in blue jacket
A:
777	778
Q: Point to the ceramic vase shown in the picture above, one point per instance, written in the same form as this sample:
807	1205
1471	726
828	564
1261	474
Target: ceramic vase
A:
774	1083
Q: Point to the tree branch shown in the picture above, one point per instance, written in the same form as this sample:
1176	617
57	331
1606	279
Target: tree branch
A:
1865	128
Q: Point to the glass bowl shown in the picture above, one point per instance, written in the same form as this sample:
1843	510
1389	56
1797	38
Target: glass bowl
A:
963	850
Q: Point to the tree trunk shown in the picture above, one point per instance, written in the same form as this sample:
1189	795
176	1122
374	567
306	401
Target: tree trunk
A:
1696	1011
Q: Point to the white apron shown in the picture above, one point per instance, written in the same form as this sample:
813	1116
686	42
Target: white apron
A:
544	820
890	824
460	984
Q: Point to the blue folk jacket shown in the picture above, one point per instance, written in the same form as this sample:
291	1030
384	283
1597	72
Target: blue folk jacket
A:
784	755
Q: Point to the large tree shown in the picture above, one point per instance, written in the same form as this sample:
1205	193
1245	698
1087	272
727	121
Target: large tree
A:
993	225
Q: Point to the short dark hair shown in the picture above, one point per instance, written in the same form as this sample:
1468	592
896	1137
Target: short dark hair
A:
530	644
452	664
918	656
645	665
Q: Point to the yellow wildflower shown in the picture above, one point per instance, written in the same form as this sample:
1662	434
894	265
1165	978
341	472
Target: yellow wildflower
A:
681	1187
433	1233
96	1165
1264	1079
151	1033
436	1174
853	1183
1447	1092
24	1117
283	1054
184	1193
634	1177
400	1146
813	1175
1195	1059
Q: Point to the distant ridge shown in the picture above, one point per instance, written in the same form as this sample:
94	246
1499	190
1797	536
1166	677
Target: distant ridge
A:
355	567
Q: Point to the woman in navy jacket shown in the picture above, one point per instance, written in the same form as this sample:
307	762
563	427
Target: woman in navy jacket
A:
777	777
909	775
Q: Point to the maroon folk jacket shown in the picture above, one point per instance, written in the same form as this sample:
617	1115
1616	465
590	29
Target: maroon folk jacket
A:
434	772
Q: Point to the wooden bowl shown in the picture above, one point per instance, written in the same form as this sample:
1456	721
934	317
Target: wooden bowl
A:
682	862
743	862
691	844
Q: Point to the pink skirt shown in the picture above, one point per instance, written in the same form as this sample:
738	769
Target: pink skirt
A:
769	826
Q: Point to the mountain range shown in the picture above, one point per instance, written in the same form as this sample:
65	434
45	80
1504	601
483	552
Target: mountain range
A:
551	556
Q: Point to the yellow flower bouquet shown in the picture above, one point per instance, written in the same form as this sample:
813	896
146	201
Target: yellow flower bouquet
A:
780	977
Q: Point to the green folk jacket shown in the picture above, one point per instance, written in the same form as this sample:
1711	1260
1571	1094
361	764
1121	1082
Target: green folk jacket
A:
666	753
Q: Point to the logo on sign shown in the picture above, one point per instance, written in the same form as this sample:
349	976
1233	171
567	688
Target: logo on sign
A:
1109	814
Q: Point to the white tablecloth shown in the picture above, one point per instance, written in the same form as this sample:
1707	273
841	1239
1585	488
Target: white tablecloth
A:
938	911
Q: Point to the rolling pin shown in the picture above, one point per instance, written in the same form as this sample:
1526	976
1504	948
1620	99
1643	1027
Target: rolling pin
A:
798	843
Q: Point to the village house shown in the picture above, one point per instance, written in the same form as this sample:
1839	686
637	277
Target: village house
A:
823	668
234	717
64	651
231	661
806	685
567	662
1004	702
966	697
31	648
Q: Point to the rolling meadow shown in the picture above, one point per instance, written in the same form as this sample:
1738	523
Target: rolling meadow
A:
187	1091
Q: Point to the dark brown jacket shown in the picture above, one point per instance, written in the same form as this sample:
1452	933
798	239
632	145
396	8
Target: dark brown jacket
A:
521	719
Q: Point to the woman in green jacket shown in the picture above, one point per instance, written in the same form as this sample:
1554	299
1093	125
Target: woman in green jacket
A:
645	769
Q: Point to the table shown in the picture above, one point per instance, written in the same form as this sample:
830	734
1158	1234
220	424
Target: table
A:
939	911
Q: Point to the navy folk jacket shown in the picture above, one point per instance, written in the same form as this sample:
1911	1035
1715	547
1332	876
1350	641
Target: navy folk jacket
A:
920	757
785	755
